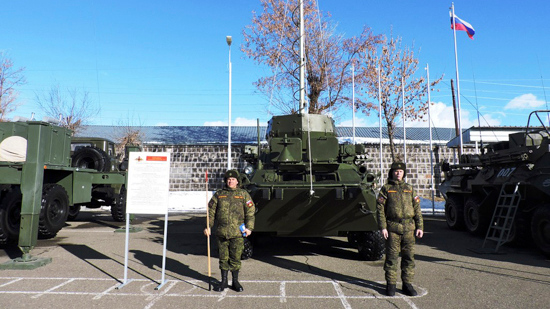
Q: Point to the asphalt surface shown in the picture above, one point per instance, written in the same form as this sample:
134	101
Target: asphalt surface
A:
88	271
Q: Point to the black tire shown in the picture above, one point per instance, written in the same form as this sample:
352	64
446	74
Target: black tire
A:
118	209
540	228
352	238
371	245
54	210
475	218
91	157
10	216
248	249
73	212
454	212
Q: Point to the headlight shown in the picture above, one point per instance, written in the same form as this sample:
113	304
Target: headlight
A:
249	170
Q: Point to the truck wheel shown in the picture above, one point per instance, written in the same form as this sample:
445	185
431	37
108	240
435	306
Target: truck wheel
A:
371	245
118	209
540	228
54	210
91	157
475	219
248	249
10	216
454	212
73	212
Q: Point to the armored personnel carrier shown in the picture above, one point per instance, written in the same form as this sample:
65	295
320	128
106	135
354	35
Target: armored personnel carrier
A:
472	188
305	184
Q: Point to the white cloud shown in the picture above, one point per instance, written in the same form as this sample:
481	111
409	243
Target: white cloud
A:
359	122
524	101
442	116
215	123
245	122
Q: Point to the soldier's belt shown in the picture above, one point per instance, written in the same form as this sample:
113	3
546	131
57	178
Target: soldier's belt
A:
401	221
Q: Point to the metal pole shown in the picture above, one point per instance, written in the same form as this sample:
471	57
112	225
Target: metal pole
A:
380	122
229	39
353	100
403	115
302	62
457	80
430	126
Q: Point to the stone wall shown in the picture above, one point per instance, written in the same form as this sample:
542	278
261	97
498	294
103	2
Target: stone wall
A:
190	163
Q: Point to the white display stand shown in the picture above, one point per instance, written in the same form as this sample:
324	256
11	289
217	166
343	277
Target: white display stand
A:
147	193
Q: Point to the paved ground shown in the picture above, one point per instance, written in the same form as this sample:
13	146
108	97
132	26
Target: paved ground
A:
87	271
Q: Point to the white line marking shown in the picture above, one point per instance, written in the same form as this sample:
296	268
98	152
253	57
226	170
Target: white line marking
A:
282	289
54	288
10	282
160	295
341	295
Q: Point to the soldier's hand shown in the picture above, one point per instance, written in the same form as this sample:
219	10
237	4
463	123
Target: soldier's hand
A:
207	231
247	232
385	233
419	233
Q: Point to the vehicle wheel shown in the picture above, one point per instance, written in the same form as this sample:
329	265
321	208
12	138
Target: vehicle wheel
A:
91	157
10	216
371	245
54	210
73	212
352	238
454	212
475	219
248	249
118	209
540	228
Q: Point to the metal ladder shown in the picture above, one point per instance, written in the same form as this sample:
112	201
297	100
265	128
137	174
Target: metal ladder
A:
503	216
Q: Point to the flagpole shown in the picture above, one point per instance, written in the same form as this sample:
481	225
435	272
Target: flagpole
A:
430	126
457	81
353	100
404	129
380	122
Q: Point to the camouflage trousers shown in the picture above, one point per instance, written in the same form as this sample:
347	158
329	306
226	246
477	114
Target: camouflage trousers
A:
230	251
403	244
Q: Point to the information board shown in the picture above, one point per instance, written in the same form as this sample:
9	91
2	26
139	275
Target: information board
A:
148	183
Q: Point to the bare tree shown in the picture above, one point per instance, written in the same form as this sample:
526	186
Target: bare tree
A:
273	40
9	79
398	66
73	109
128	134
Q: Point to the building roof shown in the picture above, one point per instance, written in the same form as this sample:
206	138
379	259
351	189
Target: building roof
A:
196	135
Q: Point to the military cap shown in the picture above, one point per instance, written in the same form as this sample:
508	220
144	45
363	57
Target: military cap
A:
398	166
231	173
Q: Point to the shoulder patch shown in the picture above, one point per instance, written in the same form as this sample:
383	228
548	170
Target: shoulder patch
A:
417	199
249	203
381	200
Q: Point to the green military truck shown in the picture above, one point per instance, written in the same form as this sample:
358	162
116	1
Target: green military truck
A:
99	154
41	185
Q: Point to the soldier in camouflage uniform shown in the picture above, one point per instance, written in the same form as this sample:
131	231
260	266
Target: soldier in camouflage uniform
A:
399	219
229	208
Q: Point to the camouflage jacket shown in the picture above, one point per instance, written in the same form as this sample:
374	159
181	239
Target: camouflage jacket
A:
230	208
399	208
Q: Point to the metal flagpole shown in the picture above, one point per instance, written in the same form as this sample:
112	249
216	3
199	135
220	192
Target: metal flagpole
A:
229	40
353	100
404	130
430	126
380	122
208	236
457	80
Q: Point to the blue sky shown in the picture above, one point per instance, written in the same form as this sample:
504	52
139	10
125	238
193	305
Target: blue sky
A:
166	62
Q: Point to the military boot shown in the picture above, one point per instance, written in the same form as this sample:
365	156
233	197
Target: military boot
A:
223	283
236	285
390	289
409	290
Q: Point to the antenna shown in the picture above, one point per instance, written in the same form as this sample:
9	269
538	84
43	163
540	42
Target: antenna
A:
302	62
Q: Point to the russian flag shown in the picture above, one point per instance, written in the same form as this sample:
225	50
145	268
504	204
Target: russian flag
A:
462	25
